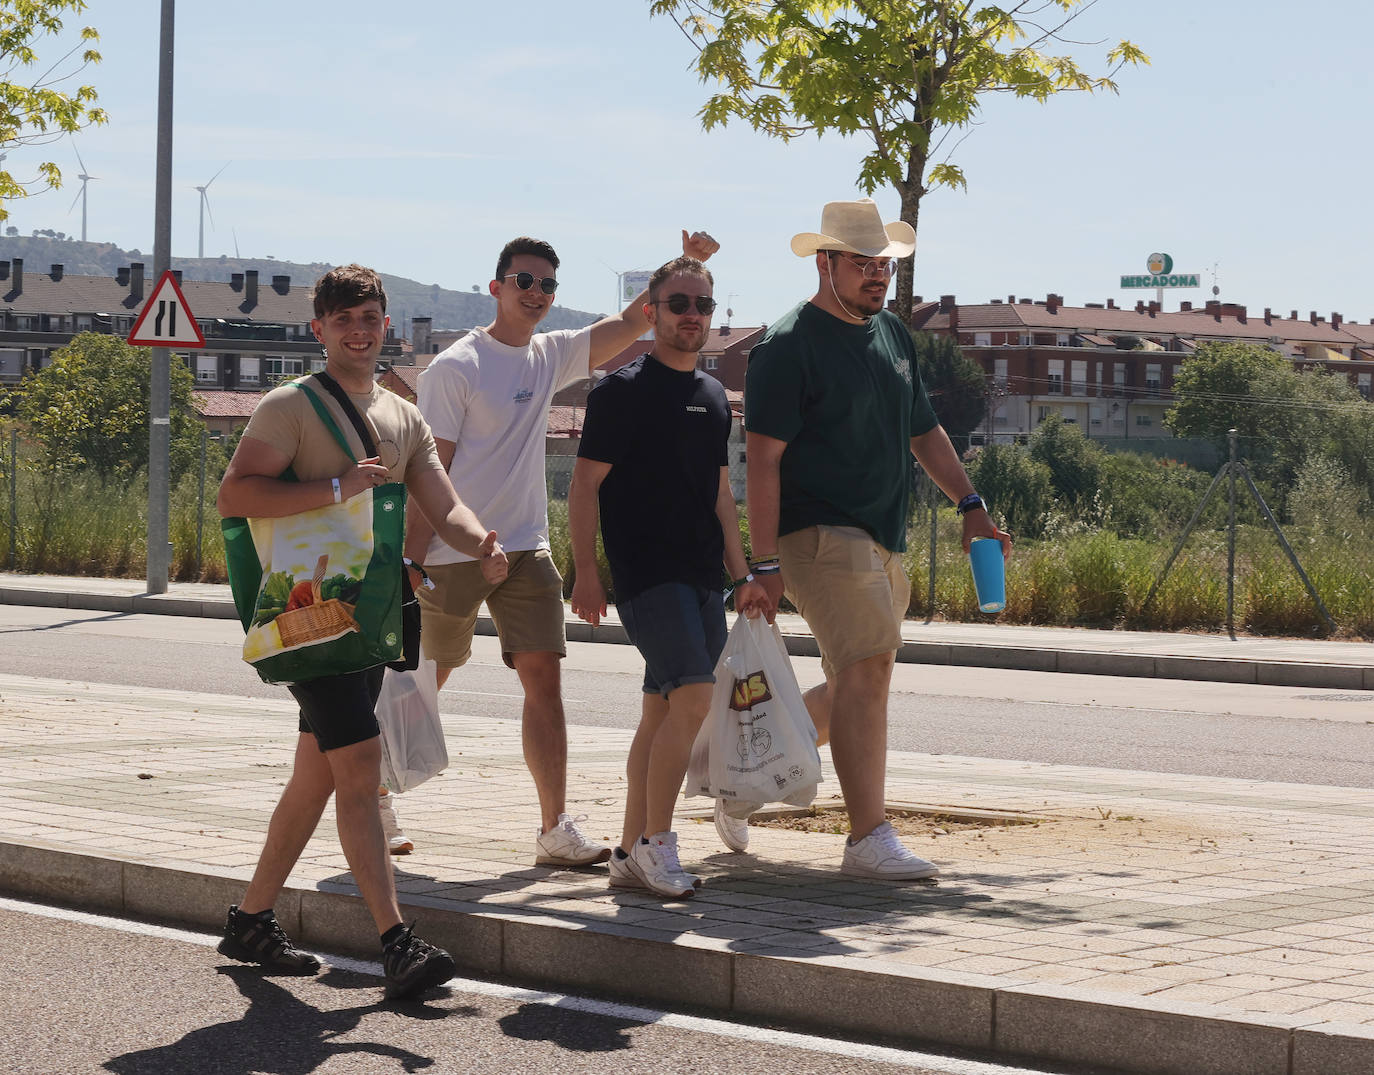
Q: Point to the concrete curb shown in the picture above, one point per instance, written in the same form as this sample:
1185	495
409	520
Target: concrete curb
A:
970	655
1046	1022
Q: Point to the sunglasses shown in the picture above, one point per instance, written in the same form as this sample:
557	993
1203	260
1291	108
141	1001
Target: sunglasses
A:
872	268
526	280
679	304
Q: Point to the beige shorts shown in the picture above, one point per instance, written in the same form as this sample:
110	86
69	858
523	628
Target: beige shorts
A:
852	592
527	608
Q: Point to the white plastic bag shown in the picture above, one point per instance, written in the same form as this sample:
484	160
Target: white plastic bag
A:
413	747
757	744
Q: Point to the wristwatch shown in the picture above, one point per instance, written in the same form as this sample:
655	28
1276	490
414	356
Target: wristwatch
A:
973	500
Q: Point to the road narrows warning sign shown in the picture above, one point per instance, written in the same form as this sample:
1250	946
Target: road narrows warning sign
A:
166	320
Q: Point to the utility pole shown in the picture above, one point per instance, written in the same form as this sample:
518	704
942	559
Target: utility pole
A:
160	403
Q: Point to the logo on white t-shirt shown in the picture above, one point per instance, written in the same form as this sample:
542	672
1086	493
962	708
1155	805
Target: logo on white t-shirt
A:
523	396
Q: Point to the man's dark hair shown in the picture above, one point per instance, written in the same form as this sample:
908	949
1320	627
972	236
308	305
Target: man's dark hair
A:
345	287
685	266
524	245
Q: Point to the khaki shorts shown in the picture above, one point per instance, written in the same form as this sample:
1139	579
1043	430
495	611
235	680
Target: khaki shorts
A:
527	608
851	591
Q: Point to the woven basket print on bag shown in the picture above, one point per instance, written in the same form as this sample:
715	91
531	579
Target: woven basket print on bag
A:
318	620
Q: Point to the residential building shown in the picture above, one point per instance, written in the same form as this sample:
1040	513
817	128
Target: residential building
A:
1111	369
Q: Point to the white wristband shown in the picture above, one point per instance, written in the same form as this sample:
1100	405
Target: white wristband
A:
338	493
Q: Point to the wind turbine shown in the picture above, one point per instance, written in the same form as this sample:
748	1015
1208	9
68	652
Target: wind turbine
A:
81	194
205	208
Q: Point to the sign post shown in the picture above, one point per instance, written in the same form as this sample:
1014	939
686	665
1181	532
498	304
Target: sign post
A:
160	389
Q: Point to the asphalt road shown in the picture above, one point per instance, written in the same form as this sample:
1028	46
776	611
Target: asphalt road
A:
85	993
1291	734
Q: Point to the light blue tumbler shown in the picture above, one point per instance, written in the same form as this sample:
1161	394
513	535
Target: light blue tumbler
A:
989	573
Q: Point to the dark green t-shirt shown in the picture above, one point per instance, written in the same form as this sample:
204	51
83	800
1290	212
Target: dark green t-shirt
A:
847	399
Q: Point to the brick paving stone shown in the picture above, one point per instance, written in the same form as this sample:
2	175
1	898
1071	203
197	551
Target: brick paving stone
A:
1252	897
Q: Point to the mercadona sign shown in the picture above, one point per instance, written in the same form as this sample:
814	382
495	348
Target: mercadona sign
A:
1161	274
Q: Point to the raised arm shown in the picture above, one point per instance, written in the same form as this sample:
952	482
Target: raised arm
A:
613	334
584	518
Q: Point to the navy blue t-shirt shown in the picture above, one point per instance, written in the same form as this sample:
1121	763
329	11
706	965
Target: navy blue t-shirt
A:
665	433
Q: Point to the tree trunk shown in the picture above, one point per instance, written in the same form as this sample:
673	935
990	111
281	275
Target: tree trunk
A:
911	191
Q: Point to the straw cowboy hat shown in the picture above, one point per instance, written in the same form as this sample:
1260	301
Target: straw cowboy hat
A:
857	228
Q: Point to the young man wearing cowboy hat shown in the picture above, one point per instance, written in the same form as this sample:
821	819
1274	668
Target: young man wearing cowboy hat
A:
833	405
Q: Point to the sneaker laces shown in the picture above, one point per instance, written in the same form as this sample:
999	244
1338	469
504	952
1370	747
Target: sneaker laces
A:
667	850
885	836
570	825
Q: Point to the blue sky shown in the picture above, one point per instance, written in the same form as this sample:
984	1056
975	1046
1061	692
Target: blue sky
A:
420	143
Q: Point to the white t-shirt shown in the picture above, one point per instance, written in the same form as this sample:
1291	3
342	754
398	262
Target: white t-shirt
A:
492	401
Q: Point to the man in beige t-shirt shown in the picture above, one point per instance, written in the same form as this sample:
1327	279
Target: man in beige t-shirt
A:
338	750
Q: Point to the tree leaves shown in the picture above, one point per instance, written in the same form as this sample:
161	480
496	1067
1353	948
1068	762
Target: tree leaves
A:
902	73
32	109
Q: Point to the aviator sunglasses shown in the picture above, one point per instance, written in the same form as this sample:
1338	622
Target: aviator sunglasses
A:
526	280
678	304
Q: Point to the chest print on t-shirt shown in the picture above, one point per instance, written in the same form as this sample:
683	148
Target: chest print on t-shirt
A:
522	396
390	454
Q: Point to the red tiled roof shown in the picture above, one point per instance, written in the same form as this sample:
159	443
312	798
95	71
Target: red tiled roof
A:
212	403
409	376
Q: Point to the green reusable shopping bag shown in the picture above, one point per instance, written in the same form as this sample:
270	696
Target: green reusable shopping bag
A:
319	593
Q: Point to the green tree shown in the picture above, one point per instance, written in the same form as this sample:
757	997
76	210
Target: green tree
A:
957	385
1228	386
907	75
33	110
89	407
1019	491
1074	462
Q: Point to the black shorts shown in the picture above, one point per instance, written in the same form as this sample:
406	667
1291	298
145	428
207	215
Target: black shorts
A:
340	710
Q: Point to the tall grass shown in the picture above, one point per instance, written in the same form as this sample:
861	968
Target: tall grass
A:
71	523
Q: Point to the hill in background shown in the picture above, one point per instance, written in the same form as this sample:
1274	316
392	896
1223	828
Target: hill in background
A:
405	298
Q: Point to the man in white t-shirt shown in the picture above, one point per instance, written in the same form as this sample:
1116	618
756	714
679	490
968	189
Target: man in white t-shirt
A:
487	401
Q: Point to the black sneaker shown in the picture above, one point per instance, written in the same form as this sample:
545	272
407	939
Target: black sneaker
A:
260	939
412	966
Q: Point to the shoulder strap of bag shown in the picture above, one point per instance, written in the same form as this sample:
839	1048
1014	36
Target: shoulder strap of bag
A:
327	419
341	397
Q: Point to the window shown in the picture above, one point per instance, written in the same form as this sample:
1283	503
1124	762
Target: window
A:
999	372
1118	380
1080	378
712	363
1041	413
1056	377
275	368
1061	339
1362	384
83	322
248	371
318	364
25	322
982	339
1152	378
1144	420
207	369
999	417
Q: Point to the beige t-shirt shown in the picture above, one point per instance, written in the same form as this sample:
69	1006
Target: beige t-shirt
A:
286	420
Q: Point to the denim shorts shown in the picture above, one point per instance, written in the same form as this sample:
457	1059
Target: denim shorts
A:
340	710
679	630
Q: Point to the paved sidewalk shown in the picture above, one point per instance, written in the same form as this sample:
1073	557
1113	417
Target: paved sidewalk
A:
1291	662
1149	922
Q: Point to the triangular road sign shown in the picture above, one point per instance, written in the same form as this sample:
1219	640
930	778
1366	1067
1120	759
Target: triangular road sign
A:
166	320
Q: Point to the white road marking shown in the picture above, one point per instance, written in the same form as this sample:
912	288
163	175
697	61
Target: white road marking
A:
608	1009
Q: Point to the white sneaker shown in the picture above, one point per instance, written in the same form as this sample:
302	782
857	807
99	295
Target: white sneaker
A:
397	842
733	831
880	854
566	845
656	867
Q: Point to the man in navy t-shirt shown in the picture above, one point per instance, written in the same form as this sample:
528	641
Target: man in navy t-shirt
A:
653	469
